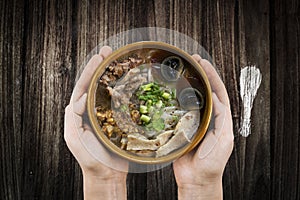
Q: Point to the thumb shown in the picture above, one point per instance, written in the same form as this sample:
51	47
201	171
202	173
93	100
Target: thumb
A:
79	106
212	137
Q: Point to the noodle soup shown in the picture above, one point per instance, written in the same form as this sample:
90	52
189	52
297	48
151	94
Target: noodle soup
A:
150	104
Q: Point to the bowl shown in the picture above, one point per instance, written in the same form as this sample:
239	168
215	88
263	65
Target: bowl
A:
151	50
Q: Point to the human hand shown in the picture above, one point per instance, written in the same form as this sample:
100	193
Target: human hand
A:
199	173
98	178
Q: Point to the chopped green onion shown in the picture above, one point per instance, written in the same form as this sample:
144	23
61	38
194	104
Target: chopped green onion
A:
166	95
143	109
145	118
155	86
159	104
156	92
154	97
149	103
143	98
151	109
147	87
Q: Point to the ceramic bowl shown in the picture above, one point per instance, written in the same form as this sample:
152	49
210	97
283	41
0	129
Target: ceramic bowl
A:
157	50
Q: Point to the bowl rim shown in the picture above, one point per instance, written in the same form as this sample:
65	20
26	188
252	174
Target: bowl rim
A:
91	105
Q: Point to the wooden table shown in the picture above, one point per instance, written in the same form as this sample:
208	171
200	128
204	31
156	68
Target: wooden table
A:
42	44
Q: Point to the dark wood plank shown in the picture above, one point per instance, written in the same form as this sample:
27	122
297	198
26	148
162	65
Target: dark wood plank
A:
285	81
161	184
44	43
11	65
253	152
48	166
221	39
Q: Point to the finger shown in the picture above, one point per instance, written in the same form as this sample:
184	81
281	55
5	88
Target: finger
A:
79	108
80	117
223	118
72	125
206	66
197	57
72	120
74	114
86	76
220	114
217	147
80	105
100	153
105	51
216	83
223	124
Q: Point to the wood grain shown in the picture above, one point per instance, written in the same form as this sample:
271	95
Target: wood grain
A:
254	50
44	43
285	143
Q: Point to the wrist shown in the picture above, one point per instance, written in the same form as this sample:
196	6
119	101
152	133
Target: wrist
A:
212	190
110	177
104	187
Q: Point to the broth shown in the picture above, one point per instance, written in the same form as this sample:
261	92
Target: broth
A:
117	124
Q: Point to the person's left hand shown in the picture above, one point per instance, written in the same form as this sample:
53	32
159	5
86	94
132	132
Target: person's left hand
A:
77	132
199	173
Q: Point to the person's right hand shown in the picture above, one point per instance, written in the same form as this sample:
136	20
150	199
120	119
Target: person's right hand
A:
199	173
100	179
